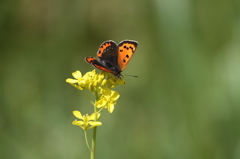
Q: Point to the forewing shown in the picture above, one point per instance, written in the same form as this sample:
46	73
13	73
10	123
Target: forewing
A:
108	51
126	50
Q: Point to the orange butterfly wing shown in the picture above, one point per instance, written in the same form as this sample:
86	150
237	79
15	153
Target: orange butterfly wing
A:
126	50
107	48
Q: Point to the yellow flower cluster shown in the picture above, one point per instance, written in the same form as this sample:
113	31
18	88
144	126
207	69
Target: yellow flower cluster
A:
87	122
100	85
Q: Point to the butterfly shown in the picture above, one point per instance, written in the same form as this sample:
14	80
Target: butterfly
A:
113	58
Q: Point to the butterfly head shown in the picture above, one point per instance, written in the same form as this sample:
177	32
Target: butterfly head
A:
119	76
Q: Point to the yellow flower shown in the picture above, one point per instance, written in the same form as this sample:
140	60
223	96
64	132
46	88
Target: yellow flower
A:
90	80
113	81
100	85
107	99
94	81
79	81
87	122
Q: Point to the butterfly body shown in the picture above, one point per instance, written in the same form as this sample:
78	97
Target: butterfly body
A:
113	58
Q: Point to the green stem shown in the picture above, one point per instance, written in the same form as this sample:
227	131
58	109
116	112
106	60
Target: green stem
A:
94	143
86	138
95	128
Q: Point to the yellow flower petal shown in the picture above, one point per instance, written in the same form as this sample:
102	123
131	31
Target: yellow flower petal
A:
69	80
106	91
78	123
102	102
110	107
77	74
78	114
120	81
115	95
78	87
95	83
95	123
104	82
92	116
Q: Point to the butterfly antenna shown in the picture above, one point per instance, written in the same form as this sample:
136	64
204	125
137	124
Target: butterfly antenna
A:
130	75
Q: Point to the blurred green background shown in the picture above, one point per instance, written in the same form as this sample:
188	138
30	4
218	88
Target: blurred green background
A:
185	103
